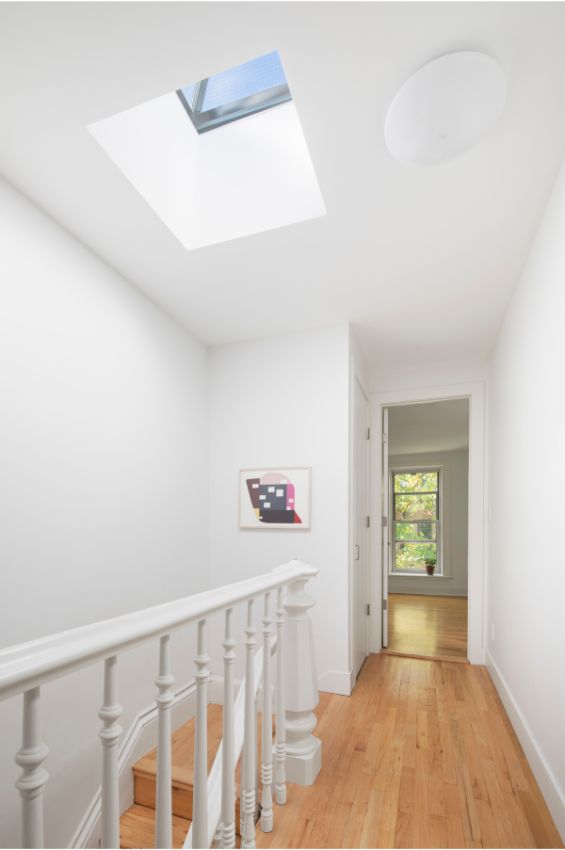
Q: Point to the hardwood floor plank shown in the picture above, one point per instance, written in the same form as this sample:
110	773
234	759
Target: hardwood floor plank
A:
427	626
421	755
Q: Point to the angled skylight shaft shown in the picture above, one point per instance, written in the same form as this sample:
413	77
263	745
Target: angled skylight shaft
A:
244	90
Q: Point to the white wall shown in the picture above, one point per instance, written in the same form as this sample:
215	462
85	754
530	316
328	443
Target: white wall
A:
385	376
454	492
527	469
103	490
284	401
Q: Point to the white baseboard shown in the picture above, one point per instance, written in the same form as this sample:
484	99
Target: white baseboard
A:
337	682
141	737
553	794
439	589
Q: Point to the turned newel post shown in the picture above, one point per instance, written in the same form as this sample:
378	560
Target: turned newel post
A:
303	750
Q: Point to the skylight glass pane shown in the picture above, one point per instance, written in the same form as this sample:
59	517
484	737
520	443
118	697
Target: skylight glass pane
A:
188	93
252	77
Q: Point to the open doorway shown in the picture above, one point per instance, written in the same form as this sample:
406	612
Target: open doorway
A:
425	499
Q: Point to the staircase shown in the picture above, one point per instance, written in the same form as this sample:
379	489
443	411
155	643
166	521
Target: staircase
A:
201	780
137	824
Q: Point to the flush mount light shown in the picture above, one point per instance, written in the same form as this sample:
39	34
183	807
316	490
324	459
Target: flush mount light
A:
445	107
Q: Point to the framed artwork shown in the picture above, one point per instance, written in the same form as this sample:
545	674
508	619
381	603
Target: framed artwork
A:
275	498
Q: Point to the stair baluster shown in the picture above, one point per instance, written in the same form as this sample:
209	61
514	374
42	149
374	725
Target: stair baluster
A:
249	771
267	725
280	749
200	793
33	777
228	779
164	802
110	733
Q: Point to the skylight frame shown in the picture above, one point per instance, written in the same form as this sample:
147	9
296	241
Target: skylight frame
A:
232	111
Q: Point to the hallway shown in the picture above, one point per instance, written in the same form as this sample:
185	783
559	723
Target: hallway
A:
421	755
434	626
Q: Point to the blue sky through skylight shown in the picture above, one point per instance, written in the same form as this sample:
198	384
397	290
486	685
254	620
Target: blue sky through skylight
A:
252	77
236	93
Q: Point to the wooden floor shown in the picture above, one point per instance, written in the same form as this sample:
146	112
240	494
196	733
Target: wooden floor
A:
421	755
434	626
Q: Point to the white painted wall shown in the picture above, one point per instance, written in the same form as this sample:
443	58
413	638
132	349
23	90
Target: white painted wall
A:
385	375
284	401
103	491
527	465
455	502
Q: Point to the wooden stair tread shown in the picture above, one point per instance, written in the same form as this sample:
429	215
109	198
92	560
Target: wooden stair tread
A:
138	821
137	828
182	749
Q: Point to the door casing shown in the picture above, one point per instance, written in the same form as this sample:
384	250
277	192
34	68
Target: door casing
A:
477	546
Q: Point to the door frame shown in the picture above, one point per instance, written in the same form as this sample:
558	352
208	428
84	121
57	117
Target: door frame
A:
366	538
355	377
477	550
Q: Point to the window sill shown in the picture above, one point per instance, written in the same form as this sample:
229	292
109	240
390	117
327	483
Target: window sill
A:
418	575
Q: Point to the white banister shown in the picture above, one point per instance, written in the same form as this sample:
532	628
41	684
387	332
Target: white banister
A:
228	779
33	777
200	793
249	769
267	724
164	806
26	667
110	735
280	748
303	750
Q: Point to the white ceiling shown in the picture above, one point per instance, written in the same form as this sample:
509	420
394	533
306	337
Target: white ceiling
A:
439	426
421	259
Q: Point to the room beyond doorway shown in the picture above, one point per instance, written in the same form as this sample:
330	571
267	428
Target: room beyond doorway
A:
426	480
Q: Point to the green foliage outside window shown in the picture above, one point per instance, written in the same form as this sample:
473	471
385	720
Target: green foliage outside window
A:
415	507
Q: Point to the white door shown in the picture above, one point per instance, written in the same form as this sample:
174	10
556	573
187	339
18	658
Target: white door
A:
385	526
361	554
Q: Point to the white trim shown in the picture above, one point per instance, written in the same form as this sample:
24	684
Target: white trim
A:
546	779
355	376
337	682
477	555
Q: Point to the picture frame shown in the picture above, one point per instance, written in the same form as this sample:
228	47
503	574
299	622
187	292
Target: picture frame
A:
277	497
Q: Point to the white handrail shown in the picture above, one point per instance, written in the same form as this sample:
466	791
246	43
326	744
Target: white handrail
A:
28	665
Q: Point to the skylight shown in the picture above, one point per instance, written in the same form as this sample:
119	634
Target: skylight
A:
249	177
233	94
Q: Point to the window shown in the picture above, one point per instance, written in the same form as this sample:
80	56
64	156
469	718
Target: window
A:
415	527
233	94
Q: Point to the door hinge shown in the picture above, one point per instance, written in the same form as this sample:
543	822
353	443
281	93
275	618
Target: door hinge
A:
368	433
385	522
368	522
368	609
385	604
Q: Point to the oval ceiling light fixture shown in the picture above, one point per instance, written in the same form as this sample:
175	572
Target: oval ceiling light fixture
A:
445	107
